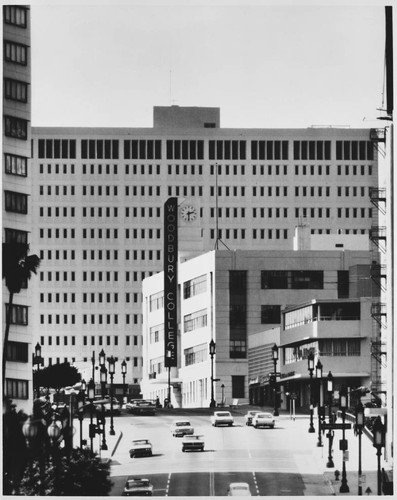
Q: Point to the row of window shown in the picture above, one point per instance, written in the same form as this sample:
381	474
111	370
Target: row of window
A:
92	298
16	202
332	347
15	90
191	149
16	53
89	319
66	340
15	15
14	127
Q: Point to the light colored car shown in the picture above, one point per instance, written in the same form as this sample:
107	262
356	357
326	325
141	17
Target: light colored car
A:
181	428
263	419
239	490
141	407
106	402
193	442
222	418
141	447
138	487
249	416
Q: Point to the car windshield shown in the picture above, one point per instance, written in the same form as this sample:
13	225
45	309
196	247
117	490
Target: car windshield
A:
182	424
223	414
137	483
265	415
141	441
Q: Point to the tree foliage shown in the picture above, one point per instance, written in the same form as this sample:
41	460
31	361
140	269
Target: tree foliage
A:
57	376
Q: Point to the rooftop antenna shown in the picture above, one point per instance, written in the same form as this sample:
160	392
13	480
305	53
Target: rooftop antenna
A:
216	212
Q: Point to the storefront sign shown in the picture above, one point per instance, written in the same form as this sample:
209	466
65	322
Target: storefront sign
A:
170	281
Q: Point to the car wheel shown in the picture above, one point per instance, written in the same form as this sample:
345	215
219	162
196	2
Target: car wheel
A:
230	425
255	426
131	455
272	426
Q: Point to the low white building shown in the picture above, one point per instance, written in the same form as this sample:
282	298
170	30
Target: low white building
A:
231	297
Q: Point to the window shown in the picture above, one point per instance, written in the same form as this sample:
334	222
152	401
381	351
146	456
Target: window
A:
195	286
17	389
156	301
16	202
15	90
19	314
15	52
15	14
270	314
292	280
16	127
15	235
195	320
17	351
196	354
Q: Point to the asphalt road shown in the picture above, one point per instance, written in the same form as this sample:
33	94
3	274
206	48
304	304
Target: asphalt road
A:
276	461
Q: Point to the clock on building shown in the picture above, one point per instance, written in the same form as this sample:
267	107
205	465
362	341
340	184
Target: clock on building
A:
188	213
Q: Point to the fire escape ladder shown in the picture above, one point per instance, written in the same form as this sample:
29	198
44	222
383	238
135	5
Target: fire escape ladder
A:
378	275
377	234
378	312
378	198
377	137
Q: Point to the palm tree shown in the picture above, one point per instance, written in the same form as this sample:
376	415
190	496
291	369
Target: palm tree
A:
18	267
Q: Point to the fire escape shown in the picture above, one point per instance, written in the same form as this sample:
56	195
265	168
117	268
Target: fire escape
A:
377	235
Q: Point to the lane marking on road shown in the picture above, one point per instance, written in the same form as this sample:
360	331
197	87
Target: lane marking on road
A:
168	484
212	484
256	483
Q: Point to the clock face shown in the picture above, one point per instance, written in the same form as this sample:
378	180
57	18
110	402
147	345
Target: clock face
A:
188	213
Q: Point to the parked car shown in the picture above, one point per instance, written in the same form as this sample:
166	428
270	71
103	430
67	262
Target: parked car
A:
141	407
249	416
105	401
181	428
138	487
222	418
239	490
263	419
193	442
141	447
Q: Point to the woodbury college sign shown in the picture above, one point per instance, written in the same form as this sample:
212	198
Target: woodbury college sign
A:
170	281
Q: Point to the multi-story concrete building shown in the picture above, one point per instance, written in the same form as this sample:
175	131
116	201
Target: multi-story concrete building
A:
17	190
98	201
232	297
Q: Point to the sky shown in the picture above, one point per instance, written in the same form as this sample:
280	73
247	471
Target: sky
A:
264	65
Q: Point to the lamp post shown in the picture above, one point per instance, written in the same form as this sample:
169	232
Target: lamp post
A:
359	430
123	373
310	366
212	354
80	398
54	432
91	396
111	365
379	442
275	359
330	435
344	488
223	394
320	408
101	421
37	361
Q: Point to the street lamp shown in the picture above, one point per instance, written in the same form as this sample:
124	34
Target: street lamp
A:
359	430
91	396
379	443
37	361
54	431
102	357
330	435
102	421
310	366
320	407
275	359
223	394
111	364
212	354
344	488
123	373
80	408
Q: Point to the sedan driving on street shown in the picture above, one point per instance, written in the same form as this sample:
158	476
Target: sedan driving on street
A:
193	442
239	490
181	428
263	420
141	447
138	487
249	416
222	418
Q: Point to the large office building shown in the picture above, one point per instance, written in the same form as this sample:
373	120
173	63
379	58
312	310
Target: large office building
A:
98	197
17	200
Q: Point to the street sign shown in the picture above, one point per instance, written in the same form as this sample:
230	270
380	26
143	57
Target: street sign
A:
343	444
278	374
216	379
336	426
294	395
362	479
345	456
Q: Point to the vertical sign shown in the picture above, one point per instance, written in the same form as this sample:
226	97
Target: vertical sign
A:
170	281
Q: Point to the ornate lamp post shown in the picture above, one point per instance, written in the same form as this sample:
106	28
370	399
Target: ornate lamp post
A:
80	398
102	358
91	397
223	394
379	443
320	407
310	366
212	354
101	420
123	373
111	365
330	435
54	432
359	430
275	359
37	361
344	488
